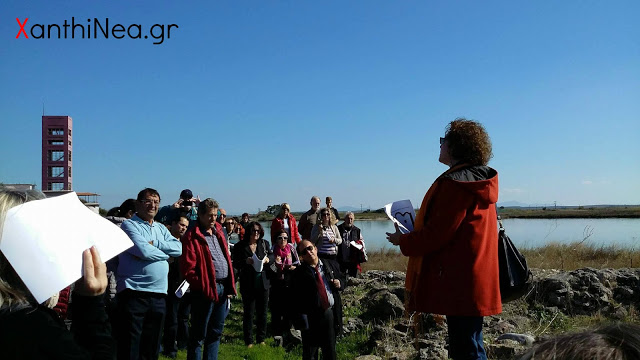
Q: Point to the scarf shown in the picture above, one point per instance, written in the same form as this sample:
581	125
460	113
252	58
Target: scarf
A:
283	257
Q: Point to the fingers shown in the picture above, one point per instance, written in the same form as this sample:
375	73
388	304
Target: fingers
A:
87	263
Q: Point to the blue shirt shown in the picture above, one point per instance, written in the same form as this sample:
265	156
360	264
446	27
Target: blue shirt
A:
218	258
144	266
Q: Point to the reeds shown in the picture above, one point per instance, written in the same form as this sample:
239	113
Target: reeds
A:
552	256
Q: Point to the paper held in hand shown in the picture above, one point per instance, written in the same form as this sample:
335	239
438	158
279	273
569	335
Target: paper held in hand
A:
257	263
44	240
402	213
182	289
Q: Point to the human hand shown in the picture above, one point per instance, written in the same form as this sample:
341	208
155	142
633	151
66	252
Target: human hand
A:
178	203
336	283
250	261
292	267
94	274
395	237
265	260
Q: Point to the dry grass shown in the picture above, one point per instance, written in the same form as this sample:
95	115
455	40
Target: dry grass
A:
553	256
578	255
387	259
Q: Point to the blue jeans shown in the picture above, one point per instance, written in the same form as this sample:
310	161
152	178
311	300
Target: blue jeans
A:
207	323
465	338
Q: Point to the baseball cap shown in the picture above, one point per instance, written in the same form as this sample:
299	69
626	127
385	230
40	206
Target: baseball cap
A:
186	194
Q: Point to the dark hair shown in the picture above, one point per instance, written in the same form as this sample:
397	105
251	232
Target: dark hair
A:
614	342
206	205
249	230
145	192
468	142
245	214
126	206
328	198
113	211
178	218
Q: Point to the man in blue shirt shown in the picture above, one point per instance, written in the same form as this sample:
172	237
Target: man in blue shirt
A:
142	280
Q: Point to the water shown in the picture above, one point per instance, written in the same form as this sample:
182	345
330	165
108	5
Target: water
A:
531	232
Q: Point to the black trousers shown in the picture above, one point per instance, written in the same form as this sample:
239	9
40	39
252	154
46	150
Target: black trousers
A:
176	324
320	335
254	300
140	319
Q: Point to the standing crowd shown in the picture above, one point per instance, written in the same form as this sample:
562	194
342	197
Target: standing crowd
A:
135	311
187	258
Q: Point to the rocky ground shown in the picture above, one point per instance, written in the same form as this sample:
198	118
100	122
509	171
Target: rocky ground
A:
376	301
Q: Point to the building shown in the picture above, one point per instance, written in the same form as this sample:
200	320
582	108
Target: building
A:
19	187
56	153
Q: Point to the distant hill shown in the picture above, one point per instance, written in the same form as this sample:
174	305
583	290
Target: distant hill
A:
348	208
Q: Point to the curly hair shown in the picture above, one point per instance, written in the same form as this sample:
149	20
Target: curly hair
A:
468	142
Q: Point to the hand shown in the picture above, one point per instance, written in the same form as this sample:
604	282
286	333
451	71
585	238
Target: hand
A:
250	261
292	267
197	200
336	283
178	203
395	237
265	260
94	274
150	242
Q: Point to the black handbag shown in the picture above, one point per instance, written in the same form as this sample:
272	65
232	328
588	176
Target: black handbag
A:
515	276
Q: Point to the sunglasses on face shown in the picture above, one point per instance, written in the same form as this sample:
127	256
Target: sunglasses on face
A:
442	140
257	231
325	214
283	238
308	249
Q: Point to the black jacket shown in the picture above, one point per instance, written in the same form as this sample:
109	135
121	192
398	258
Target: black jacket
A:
307	305
241	252
38	332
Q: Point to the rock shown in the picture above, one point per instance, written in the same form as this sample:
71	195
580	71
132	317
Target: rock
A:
381	305
368	357
352	324
502	351
429	349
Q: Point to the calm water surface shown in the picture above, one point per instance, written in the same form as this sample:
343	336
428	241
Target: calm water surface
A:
531	232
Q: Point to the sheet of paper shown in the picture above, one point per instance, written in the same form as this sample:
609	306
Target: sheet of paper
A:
402	213
356	245
257	263
44	240
182	289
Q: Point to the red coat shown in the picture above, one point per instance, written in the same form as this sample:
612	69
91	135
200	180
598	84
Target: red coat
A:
197	267
459	244
278	224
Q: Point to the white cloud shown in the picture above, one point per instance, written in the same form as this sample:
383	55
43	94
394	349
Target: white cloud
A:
587	182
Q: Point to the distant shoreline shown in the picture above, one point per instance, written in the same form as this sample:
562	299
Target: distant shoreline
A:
588	212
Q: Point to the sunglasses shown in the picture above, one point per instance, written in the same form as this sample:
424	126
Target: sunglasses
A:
283	238
306	250
325	214
442	140
256	231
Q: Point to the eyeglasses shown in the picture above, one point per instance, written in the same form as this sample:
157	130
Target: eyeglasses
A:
222	215
283	238
149	202
442	140
325	214
256	231
306	250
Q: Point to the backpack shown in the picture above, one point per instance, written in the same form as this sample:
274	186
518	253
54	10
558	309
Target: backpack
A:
515	277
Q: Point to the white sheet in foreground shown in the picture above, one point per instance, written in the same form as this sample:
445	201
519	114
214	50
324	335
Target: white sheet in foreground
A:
402	213
44	240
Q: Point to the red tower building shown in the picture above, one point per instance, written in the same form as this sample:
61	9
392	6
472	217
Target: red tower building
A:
56	153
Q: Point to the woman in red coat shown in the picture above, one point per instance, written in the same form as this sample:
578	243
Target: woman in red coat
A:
285	221
453	249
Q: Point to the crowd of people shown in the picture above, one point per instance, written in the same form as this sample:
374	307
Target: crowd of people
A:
137	313
131	308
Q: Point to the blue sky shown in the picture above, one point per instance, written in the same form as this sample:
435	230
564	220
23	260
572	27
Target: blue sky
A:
259	102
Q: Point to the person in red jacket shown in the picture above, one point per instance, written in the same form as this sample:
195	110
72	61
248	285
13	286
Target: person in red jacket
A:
206	265
285	221
453	249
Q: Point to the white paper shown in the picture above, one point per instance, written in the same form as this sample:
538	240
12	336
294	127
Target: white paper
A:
182	289
356	245
257	263
44	240
402	213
